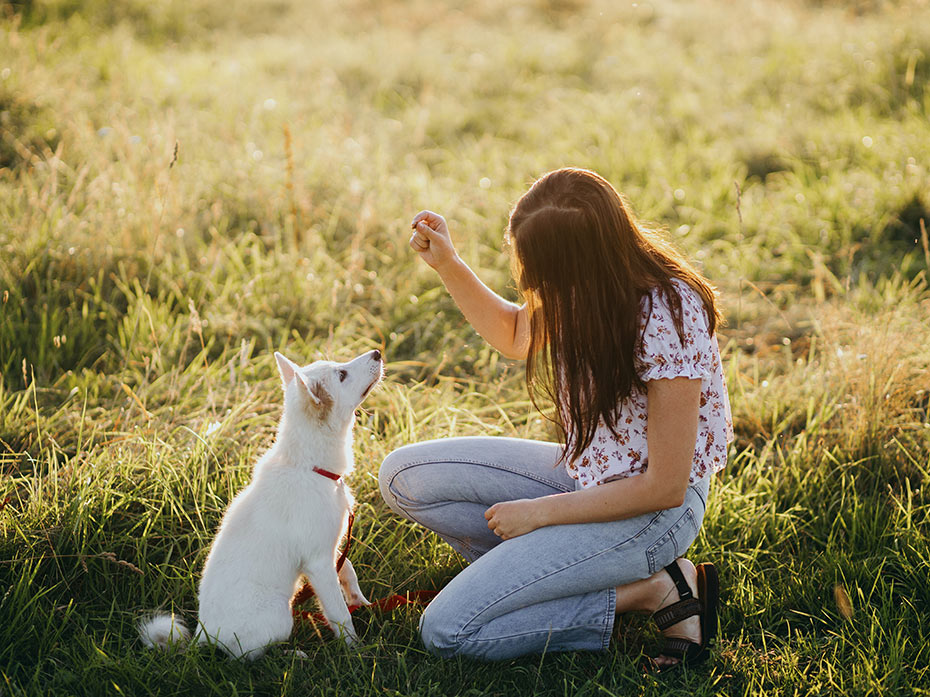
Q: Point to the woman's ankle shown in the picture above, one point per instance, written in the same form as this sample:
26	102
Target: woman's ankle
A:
689	571
652	594
666	592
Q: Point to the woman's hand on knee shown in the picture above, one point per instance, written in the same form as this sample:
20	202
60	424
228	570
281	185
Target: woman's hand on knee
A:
509	519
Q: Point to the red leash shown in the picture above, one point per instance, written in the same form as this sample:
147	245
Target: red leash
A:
345	550
392	602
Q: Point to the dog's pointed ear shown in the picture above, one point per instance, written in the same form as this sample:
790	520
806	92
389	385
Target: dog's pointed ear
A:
317	393
286	367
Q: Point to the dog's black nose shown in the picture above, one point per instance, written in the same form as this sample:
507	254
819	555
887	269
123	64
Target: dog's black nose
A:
376	355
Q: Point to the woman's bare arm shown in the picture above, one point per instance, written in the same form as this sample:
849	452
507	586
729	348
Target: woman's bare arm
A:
672	420
501	323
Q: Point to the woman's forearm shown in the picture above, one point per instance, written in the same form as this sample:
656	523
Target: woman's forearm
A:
616	500
501	323
672	419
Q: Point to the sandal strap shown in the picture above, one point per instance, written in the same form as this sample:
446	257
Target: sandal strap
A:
678	578
679	648
676	612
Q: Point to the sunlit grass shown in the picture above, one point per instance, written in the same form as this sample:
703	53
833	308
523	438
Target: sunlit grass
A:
143	289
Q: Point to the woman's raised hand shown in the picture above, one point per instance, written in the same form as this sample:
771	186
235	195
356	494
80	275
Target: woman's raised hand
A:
431	240
502	323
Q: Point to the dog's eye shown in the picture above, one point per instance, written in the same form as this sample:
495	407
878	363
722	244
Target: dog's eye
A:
343	375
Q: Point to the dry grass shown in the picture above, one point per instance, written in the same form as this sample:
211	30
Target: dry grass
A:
186	187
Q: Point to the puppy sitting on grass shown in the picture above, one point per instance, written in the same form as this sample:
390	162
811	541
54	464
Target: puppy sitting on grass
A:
287	522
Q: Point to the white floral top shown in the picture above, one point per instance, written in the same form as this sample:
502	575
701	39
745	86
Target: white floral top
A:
659	355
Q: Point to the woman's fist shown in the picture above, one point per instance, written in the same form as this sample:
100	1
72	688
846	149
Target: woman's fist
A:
431	240
508	519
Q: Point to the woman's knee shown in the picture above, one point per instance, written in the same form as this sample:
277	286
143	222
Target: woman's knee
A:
395	480
439	632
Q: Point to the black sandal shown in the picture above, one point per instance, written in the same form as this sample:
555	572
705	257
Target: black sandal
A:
690	653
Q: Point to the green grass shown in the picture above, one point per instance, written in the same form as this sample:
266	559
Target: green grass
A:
784	146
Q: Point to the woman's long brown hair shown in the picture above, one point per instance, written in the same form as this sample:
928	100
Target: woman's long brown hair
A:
584	264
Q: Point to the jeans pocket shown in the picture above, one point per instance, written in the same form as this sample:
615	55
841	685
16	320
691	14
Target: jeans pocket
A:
673	543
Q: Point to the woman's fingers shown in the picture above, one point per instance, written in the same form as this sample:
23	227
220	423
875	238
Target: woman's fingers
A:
489	516
421	217
422	232
419	240
497	531
428	217
433	221
493	524
417	244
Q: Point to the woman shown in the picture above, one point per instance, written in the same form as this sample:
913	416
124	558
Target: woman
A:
618	331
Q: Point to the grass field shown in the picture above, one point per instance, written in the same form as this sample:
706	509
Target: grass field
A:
186	187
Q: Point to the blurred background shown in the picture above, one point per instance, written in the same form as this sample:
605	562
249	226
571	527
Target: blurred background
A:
186	186
783	145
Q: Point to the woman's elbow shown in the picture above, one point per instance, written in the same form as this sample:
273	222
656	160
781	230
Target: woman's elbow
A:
675	498
670	494
513	354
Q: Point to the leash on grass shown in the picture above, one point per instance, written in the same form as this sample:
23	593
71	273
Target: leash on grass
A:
388	604
392	602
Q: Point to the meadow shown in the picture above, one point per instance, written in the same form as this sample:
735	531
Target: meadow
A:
186	187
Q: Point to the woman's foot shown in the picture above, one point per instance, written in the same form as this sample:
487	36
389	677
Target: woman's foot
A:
690	627
659	591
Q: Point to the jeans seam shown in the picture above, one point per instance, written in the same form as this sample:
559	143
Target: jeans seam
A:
670	536
550	630
464	461
609	617
697	493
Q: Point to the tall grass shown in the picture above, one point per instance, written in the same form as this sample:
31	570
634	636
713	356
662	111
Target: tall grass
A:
186	187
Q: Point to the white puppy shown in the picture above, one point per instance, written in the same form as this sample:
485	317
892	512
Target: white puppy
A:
287	522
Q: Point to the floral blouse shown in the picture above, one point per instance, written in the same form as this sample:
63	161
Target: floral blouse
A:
659	355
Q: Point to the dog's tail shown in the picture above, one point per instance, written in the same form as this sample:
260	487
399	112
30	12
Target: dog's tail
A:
163	631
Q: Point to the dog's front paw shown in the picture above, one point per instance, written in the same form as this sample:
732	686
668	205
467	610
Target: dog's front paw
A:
347	634
350	589
355	598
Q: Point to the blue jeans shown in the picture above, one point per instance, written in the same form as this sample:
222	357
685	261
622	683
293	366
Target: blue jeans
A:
549	590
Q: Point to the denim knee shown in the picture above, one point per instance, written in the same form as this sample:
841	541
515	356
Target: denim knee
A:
440	634
391	478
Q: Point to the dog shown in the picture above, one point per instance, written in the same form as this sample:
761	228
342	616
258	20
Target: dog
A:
287	523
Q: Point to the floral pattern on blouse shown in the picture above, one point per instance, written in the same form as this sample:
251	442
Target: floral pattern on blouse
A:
659	355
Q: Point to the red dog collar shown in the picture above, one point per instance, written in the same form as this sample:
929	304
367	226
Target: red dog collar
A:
326	473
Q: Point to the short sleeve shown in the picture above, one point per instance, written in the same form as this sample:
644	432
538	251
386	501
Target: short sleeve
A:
661	353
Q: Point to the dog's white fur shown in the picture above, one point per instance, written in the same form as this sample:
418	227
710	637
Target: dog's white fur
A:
287	522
